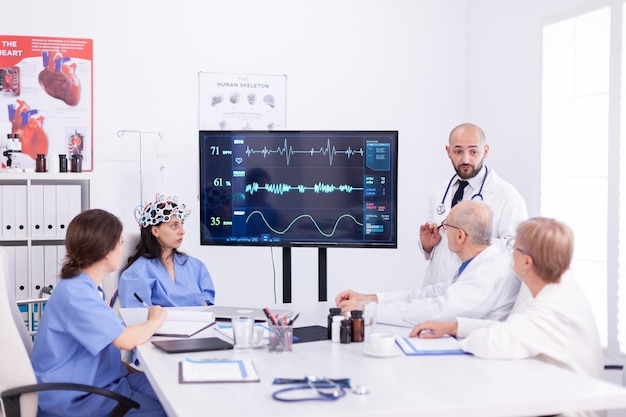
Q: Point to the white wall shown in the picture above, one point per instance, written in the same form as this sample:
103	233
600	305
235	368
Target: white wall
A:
419	67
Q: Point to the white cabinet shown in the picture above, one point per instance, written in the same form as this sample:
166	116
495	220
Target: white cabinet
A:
35	210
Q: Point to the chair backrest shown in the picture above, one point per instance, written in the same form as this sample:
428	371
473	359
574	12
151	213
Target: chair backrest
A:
110	282
16	369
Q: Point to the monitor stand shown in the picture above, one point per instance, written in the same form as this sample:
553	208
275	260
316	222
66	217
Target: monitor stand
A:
322	277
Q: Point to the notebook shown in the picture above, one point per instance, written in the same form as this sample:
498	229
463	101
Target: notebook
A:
192	345
181	328
179	323
224	313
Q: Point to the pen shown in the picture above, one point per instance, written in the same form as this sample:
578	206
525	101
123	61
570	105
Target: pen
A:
277	330
424	331
270	316
141	300
293	319
223	333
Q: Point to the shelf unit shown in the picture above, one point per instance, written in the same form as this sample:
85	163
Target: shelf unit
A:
35	209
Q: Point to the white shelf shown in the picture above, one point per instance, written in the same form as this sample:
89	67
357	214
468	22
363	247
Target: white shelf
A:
34	218
47	176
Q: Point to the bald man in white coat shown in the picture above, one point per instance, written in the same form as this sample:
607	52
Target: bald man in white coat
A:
484	286
467	149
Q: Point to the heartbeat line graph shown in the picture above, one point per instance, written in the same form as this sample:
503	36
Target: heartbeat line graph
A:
304	216
287	151
319	187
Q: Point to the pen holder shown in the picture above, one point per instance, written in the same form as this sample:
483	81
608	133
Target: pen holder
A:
280	338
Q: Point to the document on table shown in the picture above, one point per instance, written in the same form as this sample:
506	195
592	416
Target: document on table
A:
446	345
179	323
217	370
179	328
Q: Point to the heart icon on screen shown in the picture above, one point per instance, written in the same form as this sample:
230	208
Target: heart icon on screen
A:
239	160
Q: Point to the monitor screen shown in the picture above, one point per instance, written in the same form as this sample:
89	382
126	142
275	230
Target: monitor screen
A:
299	188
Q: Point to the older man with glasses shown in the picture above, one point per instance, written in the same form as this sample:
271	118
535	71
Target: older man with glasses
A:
484	286
543	327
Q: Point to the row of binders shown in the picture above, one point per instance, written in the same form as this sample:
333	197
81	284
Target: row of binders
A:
51	209
45	264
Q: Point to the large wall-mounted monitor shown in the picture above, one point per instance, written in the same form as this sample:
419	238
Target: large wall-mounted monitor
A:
299	188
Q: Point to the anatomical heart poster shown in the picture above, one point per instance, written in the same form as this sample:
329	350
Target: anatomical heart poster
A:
45	100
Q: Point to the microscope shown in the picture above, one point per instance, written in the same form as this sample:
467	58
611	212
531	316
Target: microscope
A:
13	146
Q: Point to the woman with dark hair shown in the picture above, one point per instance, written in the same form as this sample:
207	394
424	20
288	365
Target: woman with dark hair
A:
555	325
158	272
80	336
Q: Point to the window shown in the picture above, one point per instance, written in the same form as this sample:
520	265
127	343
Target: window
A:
577	180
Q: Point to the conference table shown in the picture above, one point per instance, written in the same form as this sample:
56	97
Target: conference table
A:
396	385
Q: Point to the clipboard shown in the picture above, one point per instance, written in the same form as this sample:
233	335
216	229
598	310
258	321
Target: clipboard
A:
416	346
192	370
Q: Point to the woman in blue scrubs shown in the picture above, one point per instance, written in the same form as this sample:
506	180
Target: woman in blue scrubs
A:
158	272
80	336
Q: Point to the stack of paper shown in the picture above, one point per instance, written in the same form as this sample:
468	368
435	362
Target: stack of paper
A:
185	323
179	322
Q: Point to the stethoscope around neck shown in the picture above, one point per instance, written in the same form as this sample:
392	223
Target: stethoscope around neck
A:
441	208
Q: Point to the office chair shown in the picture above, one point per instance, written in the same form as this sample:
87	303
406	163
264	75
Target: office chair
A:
18	384
111	281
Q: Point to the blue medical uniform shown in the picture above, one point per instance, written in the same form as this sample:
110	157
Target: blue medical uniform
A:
151	281
73	344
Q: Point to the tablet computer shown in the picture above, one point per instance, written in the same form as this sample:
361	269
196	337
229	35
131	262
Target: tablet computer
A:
192	345
309	334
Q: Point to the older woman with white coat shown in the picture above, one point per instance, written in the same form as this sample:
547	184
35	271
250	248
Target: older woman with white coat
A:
555	324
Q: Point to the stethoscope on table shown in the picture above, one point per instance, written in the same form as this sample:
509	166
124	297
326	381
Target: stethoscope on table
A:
441	208
326	389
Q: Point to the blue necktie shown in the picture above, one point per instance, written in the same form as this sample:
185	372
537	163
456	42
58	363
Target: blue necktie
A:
458	196
461	269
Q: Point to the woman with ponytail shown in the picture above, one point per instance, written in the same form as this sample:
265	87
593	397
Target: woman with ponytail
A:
80	336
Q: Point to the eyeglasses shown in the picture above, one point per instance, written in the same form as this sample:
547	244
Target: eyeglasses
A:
510	244
444	225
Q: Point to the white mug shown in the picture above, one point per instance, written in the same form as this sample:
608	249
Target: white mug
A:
382	343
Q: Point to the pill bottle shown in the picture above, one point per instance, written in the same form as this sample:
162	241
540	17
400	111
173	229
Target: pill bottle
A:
344	332
334	311
336	328
77	163
40	163
357	325
62	163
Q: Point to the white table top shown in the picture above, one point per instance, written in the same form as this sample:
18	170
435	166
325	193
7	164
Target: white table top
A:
399	386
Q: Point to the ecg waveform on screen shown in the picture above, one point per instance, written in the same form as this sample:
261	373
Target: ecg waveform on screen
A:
319	187
287	151
303	216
